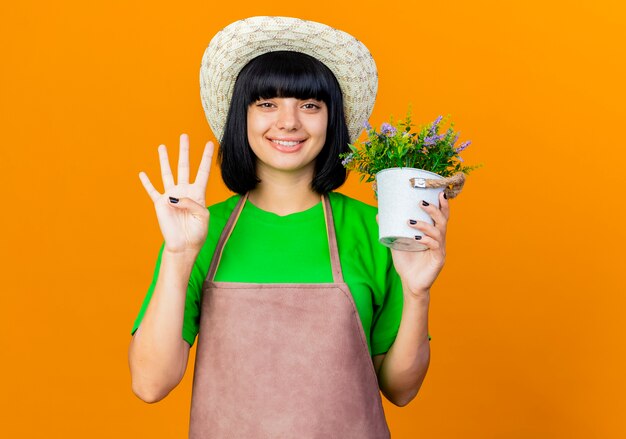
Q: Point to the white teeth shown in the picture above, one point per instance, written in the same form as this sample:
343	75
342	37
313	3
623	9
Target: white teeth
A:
284	143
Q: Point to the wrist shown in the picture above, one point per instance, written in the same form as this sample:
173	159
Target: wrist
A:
419	295
183	256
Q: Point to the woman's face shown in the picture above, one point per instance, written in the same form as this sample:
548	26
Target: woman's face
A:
287	134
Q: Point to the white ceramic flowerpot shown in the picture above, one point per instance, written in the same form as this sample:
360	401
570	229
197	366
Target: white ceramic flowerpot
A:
398	202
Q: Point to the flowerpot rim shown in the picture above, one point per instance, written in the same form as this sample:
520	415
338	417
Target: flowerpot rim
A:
409	169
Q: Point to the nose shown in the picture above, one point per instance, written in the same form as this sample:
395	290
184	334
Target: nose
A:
288	118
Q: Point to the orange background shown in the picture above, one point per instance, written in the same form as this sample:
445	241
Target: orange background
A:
527	314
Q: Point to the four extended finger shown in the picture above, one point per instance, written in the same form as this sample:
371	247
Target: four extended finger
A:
152	192
166	171
204	170
183	160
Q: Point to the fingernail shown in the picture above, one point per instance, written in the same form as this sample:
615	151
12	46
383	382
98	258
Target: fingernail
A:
173	200
445	196
418	237
424	203
412	222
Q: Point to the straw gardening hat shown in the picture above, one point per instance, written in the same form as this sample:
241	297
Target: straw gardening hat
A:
238	43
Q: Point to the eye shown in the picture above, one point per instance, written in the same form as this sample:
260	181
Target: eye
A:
311	106
264	104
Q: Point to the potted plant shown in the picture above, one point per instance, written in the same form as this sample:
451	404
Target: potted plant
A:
408	167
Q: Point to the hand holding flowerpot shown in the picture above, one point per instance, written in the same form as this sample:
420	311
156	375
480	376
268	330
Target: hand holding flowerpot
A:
419	269
398	203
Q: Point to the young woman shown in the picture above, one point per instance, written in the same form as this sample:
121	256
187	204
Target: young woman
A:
301	315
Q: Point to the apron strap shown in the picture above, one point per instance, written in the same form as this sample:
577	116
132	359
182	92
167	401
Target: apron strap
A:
332	241
234	216
228	229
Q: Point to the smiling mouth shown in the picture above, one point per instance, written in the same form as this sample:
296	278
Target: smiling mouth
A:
287	143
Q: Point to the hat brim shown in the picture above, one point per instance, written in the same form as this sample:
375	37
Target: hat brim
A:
238	43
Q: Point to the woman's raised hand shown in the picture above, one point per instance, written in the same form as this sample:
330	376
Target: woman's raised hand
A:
184	224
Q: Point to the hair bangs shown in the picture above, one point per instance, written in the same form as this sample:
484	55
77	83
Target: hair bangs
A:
286	74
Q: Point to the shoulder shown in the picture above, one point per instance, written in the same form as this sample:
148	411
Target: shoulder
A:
222	210
348	209
219	214
228	204
351	206
355	223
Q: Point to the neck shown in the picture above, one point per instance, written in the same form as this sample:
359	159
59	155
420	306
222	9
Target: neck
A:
284	194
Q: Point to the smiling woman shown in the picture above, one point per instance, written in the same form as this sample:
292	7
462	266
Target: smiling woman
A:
263	81
295	305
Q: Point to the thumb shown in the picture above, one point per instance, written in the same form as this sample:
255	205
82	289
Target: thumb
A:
187	204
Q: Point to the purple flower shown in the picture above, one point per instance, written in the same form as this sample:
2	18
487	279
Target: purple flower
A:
463	146
434	125
367	125
431	140
388	129
348	159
